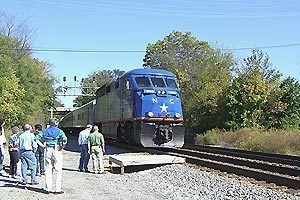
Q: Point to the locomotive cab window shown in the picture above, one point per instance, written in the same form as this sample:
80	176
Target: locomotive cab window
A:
158	82
142	81
171	83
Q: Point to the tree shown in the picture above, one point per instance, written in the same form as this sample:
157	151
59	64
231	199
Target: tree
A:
95	80
203	73
284	111
248	94
11	95
11	27
254	92
26	83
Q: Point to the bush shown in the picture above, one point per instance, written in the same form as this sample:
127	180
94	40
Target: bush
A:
271	141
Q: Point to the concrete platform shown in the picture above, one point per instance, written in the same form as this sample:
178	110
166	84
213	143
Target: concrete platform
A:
135	160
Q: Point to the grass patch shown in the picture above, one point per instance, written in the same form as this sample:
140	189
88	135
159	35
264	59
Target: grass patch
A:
271	141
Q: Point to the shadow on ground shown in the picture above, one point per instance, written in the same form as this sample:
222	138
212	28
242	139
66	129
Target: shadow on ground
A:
16	184
73	146
132	169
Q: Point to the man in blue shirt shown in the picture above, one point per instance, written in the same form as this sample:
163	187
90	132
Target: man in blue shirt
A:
55	140
27	146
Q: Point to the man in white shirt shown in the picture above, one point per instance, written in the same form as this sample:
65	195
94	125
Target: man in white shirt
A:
2	141
83	143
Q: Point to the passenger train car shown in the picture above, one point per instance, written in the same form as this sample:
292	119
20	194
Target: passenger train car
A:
142	107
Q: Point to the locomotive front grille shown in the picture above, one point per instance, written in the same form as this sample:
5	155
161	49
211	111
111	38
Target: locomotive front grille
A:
163	134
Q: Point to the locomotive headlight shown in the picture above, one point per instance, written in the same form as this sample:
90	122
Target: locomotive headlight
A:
177	115
150	114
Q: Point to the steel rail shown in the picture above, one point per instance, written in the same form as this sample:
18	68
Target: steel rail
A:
239	162
215	162
274	158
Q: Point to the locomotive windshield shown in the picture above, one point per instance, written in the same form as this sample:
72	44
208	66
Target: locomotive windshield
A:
158	82
142	81
171	83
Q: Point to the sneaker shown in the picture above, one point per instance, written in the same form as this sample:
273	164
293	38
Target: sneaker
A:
38	174
4	174
42	173
34	183
23	182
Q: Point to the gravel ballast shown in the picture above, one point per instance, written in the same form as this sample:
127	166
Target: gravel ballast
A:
165	182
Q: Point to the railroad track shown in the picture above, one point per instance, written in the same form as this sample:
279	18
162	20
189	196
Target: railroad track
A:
273	168
283	170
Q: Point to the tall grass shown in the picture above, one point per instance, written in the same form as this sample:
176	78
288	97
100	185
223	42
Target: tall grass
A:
271	141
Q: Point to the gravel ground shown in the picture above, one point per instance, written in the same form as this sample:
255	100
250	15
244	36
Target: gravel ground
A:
165	182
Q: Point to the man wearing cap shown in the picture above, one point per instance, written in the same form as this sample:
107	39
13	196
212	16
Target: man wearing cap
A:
27	146
83	143
55	140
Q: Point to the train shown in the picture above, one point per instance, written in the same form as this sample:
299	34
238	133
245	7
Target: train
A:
141	107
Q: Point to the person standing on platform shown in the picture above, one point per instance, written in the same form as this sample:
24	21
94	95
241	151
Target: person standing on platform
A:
28	146
96	149
2	142
83	143
13	150
40	152
55	140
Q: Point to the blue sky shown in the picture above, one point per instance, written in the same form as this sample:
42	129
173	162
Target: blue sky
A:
131	25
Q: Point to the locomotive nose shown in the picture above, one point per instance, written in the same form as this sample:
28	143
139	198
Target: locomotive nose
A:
163	134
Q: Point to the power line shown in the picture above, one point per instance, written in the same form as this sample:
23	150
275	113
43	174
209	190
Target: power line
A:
263	47
189	8
142	51
87	51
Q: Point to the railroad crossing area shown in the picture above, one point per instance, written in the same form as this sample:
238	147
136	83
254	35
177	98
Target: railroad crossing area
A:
154	181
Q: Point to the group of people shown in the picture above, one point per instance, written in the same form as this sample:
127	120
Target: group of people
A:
40	152
91	143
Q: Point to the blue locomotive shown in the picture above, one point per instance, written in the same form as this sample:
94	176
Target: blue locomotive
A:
142	107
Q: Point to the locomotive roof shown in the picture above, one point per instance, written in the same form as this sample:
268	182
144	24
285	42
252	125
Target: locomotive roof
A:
149	72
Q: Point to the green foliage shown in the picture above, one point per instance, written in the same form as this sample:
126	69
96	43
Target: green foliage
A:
26	84
203	73
283	108
94	80
11	95
252	91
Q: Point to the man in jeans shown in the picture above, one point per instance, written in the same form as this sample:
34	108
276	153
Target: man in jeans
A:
39	154
27	146
55	140
83	143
